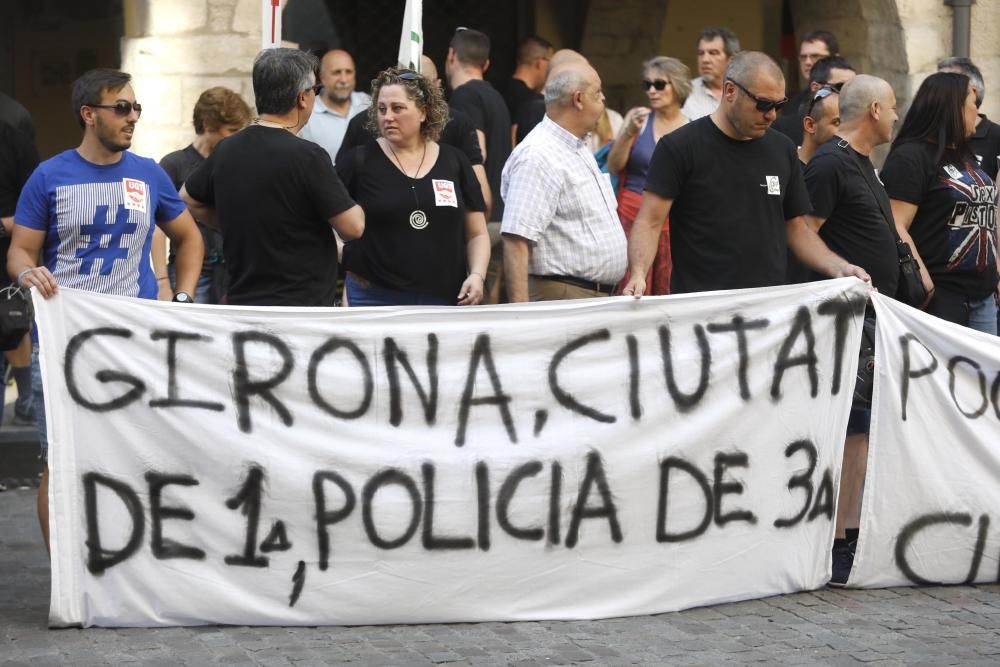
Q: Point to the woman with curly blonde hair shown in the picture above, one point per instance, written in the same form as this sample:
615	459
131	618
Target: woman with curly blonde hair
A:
425	240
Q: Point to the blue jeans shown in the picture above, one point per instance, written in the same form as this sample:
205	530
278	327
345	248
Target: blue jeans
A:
39	403
361	292
983	314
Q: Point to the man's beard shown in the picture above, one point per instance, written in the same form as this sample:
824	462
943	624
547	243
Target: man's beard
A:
334	96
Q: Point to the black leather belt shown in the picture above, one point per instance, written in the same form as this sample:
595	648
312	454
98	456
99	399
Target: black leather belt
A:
580	282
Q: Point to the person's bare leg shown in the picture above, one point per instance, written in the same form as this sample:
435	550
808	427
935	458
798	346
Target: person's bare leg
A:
43	505
852	483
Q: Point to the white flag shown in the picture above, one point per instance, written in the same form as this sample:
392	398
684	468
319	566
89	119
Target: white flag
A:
411	39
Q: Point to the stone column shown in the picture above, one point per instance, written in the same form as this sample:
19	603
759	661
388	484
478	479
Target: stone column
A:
175	49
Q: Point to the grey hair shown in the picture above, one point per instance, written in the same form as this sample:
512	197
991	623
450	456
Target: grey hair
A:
745	65
560	88
279	75
969	69
858	94
730	42
676	72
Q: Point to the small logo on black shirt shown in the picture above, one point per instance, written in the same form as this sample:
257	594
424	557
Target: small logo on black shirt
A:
773	185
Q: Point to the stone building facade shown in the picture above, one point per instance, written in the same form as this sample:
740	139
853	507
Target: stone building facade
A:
177	48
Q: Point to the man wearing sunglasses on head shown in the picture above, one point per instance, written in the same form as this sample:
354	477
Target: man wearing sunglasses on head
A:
89	214
831	72
734	192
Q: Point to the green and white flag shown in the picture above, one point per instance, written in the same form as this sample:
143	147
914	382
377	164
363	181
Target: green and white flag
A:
411	40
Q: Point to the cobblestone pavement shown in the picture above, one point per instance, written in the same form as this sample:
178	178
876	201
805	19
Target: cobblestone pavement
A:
957	625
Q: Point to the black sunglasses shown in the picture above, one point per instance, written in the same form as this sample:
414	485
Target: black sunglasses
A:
408	75
762	105
121	107
658	84
820	94
318	88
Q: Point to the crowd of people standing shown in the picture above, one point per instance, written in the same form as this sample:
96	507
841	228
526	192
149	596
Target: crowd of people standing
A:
536	191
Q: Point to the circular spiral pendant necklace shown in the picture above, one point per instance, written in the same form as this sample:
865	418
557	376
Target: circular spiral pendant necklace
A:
418	219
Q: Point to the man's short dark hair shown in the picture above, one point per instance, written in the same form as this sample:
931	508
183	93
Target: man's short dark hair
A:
730	42
969	69
279	75
531	49
820	72
825	36
89	88
471	47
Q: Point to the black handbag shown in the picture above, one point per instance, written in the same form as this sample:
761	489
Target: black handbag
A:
16	316
910	289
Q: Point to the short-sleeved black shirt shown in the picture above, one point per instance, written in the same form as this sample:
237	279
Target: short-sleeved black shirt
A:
954	228
516	94
18	158
528	116
489	113
985	143
179	165
458	132
731	202
397	251
274	195
856	227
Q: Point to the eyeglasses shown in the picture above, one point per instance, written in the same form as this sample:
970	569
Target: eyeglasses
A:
121	107
762	105
317	89
820	94
658	84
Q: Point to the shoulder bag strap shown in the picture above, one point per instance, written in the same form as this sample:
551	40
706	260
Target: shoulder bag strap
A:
869	177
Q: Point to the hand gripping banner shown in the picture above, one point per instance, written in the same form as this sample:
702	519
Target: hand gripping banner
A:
567	460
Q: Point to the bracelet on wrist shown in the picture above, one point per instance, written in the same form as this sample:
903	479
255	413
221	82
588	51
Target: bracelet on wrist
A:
21	275
476	273
163	277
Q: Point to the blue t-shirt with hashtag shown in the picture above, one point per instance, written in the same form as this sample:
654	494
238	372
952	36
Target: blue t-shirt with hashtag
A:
98	220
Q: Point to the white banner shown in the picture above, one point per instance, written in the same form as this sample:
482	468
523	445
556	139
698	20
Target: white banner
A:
569	460
933	481
411	38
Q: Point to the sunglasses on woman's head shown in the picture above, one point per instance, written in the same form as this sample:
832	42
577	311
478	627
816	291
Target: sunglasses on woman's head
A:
408	75
658	84
121	107
762	104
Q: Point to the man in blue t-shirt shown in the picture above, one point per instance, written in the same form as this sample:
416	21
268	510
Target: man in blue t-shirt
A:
89	214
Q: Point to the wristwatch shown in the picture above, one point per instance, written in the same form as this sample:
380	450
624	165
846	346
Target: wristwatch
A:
183	297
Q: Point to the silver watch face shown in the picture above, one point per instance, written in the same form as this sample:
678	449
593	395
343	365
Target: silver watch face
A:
182	297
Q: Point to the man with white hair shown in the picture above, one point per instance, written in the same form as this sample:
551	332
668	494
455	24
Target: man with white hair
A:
851	213
561	234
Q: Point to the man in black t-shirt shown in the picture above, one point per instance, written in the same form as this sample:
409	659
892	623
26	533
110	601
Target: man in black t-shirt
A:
524	87
275	196
468	59
18	158
734	192
985	141
852	213
832	71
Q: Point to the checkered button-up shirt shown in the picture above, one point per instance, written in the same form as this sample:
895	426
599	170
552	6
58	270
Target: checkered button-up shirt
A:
557	198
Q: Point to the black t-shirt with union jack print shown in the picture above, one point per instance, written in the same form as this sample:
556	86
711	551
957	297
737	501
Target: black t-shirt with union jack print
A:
955	227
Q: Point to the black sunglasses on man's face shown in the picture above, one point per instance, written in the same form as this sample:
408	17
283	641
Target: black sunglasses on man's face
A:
762	104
